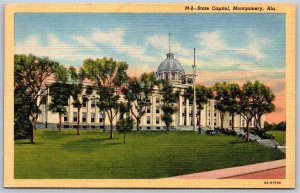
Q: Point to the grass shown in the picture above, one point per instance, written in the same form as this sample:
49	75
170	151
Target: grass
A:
279	136
92	155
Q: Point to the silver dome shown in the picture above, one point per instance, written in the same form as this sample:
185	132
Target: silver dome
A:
170	65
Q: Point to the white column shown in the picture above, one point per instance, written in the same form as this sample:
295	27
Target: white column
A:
187	104
70	111
180	111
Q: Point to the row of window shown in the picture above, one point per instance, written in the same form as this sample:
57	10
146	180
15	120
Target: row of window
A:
157	110
93	102
93	115
83	117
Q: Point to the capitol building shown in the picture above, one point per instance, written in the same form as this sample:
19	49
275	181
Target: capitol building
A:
170	69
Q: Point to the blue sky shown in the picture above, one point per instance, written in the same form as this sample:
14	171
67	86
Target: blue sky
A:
247	40
229	47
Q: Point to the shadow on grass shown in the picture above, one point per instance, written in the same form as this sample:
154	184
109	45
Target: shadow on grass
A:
28	143
89	144
237	142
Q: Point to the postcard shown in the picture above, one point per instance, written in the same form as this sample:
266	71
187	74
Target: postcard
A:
149	95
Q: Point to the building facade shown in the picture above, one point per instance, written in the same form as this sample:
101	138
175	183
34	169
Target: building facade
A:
91	117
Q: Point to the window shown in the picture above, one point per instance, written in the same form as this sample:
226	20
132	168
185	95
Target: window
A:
157	109
148	119
92	117
157	99
100	118
75	116
65	117
83	117
148	109
157	119
84	101
148	128
215	122
209	122
250	123
157	127
148	99
215	114
93	103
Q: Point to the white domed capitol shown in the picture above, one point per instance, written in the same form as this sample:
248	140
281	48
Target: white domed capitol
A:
169	69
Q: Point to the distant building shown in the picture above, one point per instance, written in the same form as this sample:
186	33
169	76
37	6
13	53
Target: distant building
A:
170	69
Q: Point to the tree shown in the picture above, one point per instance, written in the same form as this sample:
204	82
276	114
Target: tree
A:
109	77
233	105
60	92
169	98
221	97
76	85
263	100
247	104
30	75
22	108
124	124
203	94
137	93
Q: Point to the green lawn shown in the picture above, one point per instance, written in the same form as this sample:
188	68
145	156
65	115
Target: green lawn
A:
279	136
145	154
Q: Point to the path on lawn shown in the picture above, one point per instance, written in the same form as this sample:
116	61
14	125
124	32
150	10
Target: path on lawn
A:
265	170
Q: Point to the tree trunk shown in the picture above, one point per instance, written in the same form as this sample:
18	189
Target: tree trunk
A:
60	115
33	122
199	118
78	119
232	121
124	137
247	127
110	117
111	130
138	124
222	119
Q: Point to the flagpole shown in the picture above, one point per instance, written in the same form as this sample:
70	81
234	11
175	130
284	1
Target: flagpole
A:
194	85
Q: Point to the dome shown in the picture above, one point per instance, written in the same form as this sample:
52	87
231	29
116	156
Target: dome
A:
170	64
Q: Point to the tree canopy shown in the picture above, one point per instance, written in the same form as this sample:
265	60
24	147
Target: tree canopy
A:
109	76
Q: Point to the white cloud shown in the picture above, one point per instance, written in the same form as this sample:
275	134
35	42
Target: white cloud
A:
54	49
255	45
114	37
212	40
161	42
83	41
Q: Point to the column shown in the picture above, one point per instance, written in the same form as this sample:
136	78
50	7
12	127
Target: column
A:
70	111
180	111
187	114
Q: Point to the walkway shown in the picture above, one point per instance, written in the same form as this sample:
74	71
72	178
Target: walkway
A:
265	170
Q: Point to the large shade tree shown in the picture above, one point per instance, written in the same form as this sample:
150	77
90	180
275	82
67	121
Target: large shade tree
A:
76	84
60	92
233	101
256	99
221	95
137	92
170	96
30	75
109	77
263	98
